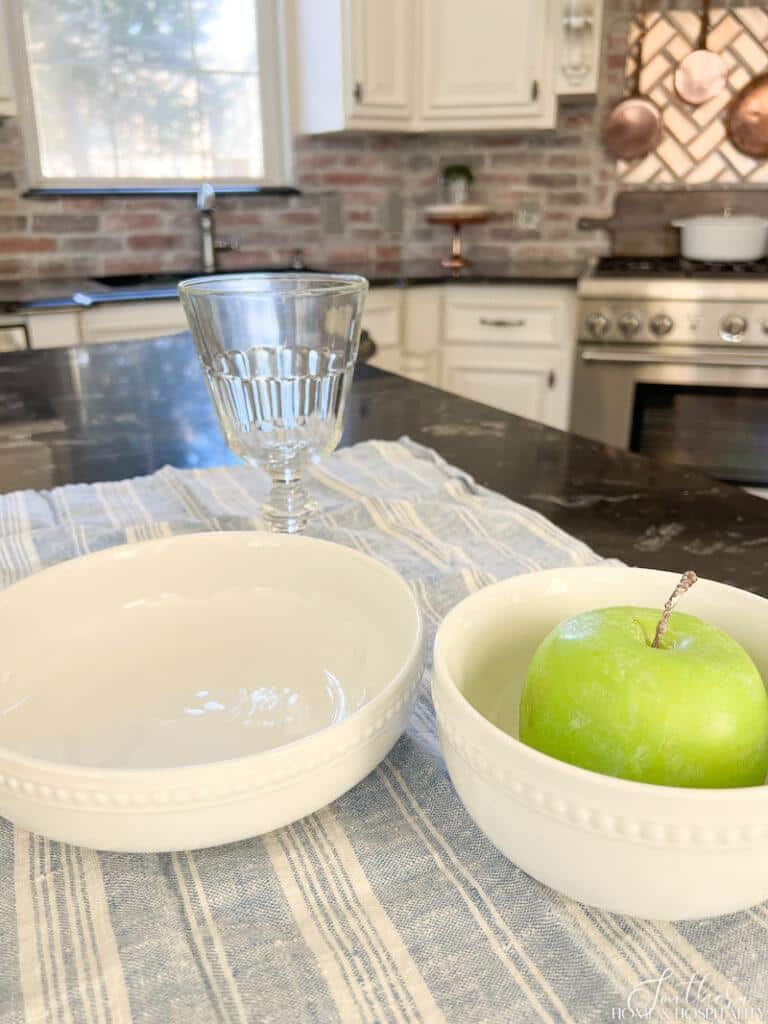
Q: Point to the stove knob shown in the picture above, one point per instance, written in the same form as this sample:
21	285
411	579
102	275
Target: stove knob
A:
733	328
629	324
661	324
597	324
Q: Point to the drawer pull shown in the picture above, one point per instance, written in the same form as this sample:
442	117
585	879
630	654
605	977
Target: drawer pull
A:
487	321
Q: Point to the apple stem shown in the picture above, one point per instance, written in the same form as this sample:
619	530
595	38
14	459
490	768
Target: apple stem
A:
686	582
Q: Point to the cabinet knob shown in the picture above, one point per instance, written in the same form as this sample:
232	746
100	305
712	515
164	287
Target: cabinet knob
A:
551	379
357	92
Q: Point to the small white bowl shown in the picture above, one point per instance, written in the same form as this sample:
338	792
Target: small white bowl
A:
201	689
649	851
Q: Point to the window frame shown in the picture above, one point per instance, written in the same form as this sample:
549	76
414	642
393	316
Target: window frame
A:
275	111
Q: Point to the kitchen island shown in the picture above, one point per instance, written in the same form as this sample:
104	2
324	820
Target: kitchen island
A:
107	412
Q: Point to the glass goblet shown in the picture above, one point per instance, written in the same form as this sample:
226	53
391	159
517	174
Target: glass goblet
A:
278	352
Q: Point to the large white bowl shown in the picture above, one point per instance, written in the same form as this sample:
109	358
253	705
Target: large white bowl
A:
649	851
197	690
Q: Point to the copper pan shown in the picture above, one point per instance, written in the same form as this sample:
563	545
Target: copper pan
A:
702	74
746	120
633	127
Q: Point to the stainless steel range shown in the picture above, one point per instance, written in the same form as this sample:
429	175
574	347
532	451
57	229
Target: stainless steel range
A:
672	361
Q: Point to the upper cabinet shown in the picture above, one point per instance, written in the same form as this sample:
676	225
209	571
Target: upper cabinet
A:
380	66
485	64
425	65
352	64
7	96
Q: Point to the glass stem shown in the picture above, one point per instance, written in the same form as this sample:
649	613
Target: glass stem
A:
288	505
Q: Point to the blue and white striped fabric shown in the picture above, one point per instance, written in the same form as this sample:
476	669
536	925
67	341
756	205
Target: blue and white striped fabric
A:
389	905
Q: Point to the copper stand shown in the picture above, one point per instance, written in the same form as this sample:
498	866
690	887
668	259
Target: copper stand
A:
456	261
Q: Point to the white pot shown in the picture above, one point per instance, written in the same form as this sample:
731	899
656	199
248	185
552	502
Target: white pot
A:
723	239
629	847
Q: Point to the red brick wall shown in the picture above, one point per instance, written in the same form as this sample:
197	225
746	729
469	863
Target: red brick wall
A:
363	201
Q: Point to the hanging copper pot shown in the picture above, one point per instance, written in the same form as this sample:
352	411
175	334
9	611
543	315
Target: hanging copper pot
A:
633	127
746	120
702	74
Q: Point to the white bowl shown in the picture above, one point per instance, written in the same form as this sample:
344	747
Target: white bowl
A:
649	851
197	690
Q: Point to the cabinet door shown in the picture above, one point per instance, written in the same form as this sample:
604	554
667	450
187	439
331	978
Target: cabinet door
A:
7	98
382	318
527	382
380	47
54	330
132	321
485	63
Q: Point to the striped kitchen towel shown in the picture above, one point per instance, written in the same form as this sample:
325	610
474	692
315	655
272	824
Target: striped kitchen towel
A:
387	906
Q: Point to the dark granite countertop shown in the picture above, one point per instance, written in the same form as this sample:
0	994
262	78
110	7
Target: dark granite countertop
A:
112	411
63	293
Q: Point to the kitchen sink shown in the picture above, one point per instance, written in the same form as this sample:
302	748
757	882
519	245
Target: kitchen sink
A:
141	280
138	287
171	280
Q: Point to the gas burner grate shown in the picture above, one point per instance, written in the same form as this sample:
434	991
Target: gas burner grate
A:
676	266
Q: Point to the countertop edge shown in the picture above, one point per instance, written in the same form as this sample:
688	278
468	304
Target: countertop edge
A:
98	297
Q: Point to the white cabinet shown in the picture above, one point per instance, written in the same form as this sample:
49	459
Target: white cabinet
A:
507	346
54	330
422	331
405	324
524	381
423	65
131	321
382	318
486	64
7	95
352	64
380	63
512	347
112	321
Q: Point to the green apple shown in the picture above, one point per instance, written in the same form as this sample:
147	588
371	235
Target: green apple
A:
692	711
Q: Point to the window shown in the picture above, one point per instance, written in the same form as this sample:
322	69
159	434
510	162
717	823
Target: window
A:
122	91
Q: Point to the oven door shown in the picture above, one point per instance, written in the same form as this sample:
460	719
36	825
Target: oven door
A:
702	408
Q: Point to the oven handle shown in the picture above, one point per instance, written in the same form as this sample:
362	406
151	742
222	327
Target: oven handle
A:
590	355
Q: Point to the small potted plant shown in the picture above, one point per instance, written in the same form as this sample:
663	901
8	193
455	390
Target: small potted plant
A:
456	180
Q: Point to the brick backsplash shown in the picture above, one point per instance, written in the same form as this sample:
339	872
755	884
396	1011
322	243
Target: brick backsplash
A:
363	199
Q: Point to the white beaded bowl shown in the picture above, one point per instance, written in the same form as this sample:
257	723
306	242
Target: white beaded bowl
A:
200	689
648	851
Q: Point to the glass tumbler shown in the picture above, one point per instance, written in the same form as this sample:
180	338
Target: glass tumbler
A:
278	352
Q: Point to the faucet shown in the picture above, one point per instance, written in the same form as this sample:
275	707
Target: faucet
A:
209	244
